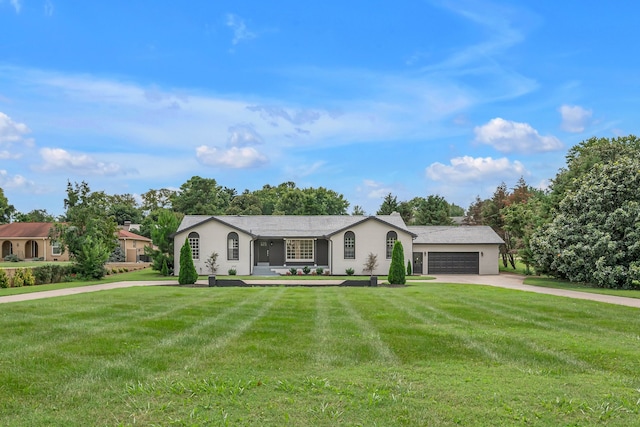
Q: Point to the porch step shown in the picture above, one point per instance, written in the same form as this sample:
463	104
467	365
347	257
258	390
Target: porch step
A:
263	270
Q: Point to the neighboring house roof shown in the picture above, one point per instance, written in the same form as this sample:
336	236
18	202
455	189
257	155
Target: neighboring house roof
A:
445	235
124	234
21	230
291	225
40	230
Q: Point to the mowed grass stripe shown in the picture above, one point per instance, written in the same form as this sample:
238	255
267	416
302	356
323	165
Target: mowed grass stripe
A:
428	316
368	330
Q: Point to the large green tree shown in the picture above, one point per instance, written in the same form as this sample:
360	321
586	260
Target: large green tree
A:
161	225
202	196
6	210
87	233
389	205
582	157
36	215
124	207
246	203
434	210
595	233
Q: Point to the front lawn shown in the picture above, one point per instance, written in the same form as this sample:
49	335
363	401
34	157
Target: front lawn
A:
428	354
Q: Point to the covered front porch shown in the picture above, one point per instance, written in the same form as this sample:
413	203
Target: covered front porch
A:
277	256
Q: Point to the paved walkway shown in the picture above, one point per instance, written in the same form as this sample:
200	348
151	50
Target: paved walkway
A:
509	281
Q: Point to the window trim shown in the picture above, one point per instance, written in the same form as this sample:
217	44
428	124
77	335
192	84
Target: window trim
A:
392	238
349	245
296	245
55	244
194	244
233	246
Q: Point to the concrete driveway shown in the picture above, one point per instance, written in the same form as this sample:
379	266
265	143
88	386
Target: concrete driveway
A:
514	281
509	281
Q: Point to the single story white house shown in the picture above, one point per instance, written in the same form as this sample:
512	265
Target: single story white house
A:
267	244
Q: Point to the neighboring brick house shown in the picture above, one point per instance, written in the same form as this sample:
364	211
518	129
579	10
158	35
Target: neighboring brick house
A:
132	245
30	240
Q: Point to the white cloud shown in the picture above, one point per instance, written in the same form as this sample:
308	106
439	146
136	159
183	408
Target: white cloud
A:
574	118
57	159
244	135
374	189
240	31
48	8
234	157
273	113
469	168
11	131
4	155
507	136
11	182
17	5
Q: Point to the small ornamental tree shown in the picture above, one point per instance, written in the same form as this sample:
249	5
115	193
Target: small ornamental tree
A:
212	262
396	270
371	263
165	269
188	274
409	271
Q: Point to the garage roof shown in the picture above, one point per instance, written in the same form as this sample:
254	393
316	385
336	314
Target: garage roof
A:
445	235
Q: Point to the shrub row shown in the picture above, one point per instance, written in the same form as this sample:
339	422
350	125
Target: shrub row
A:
53	273
21	277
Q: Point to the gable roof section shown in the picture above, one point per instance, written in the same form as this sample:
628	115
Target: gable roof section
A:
445	235
24	230
290	226
124	234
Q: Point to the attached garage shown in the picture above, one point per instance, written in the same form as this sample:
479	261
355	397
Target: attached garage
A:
455	250
453	263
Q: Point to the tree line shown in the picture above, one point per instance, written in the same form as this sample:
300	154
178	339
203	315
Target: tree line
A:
585	227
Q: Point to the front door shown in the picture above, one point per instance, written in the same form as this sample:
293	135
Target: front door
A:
263	251
417	263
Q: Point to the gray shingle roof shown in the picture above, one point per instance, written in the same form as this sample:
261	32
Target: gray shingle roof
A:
290	225
444	235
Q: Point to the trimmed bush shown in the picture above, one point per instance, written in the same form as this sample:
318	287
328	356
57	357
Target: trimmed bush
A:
5	281
349	271
306	270
319	271
396	270
165	269
12	258
18	280
232	272
188	274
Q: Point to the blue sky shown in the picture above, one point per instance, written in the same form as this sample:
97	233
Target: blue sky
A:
366	98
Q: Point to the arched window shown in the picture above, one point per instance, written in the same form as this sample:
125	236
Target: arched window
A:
392	236
194	243
233	246
349	245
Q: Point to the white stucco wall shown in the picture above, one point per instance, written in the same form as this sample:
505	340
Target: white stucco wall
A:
488	259
213	238
371	236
